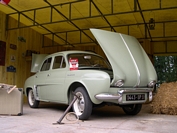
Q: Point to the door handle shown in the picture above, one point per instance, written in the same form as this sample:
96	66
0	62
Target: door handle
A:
36	76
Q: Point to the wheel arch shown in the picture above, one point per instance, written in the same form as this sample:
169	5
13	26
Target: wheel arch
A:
87	88
73	87
27	90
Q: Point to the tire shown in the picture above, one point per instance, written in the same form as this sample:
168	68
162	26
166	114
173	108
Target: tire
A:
83	106
132	109
33	103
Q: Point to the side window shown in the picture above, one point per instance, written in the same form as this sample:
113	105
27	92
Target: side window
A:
46	64
59	62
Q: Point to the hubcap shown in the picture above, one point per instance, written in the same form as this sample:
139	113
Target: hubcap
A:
79	105
31	97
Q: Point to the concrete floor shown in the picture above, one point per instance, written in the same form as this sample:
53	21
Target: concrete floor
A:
109	119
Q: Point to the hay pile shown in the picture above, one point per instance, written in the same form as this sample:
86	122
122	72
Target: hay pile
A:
165	101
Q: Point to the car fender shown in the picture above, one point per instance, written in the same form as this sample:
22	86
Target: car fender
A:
94	81
29	83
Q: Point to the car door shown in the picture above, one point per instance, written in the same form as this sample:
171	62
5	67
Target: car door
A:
40	79
55	79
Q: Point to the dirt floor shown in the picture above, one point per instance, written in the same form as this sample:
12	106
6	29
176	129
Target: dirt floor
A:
165	100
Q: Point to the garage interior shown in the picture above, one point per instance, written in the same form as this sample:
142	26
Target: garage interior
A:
48	26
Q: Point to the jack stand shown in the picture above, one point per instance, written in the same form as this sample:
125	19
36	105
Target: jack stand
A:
67	110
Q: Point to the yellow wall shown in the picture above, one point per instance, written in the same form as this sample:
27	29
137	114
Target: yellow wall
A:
165	48
33	41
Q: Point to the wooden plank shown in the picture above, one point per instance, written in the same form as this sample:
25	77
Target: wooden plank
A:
9	88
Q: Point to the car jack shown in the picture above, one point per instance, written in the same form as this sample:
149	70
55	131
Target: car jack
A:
67	110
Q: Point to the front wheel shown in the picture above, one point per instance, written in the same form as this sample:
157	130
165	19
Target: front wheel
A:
33	103
132	109
83	106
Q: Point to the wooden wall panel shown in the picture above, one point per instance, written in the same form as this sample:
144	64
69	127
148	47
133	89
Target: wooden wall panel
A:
147	46
2	28
165	48
159	47
33	42
172	46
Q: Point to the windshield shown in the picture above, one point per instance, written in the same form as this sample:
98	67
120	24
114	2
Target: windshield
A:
89	60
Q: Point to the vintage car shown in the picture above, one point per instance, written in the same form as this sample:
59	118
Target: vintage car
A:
126	78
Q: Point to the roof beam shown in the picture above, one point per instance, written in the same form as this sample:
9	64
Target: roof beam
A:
89	16
26	17
146	26
34	22
61	4
135	5
112	28
70	21
162	22
60	21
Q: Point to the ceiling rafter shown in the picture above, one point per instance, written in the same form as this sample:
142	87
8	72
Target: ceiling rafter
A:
71	20
123	25
145	24
112	28
81	18
61	4
38	24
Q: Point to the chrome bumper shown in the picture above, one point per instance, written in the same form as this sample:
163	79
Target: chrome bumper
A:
119	95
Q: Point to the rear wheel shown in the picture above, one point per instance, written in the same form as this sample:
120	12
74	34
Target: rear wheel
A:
83	106
132	109
33	103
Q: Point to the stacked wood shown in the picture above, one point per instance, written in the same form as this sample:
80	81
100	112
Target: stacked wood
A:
8	87
165	101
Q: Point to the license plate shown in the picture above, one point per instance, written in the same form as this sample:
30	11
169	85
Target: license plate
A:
135	97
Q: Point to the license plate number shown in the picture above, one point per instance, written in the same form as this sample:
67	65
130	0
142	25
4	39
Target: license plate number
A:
135	97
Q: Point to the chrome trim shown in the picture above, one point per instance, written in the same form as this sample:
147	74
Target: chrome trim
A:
36	92
151	83
107	96
119	95
119	83
137	69
150	96
135	90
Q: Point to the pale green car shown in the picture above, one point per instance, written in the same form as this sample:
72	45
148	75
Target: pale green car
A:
127	80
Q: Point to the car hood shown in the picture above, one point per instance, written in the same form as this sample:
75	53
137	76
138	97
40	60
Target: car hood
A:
127	58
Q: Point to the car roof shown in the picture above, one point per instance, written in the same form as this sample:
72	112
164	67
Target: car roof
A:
70	52
37	59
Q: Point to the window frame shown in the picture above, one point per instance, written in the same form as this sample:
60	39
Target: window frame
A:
49	62
62	61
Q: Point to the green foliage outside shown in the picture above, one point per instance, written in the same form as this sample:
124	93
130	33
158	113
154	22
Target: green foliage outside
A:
166	68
